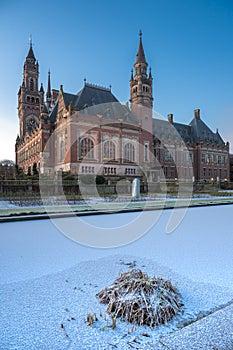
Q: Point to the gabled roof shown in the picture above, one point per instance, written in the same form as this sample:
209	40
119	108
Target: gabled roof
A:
195	132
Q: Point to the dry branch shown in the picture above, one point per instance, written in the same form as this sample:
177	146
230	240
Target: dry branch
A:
137	298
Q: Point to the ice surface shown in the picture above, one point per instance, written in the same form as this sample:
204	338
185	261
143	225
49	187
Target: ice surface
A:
47	279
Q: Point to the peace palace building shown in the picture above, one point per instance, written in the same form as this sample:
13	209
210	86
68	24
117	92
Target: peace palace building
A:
91	132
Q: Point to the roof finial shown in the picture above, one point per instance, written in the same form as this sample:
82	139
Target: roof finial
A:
110	87
85	80
30	40
140	33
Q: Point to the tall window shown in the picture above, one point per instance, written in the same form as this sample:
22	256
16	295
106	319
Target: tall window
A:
146	151
31	84
129	152
87	148
109	150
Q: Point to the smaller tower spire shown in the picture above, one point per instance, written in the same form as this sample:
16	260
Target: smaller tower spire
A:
30	57
140	54
48	93
41	88
131	78
150	75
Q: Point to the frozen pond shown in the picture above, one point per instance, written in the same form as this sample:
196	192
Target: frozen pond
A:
44	274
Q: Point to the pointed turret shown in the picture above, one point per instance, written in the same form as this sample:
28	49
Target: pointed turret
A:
41	94
141	82
140	55
41	88
30	56
48	93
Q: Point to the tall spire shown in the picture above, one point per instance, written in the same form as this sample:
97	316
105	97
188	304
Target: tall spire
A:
48	94
140	55
30	52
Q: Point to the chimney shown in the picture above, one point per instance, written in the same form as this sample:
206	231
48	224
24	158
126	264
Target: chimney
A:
170	118
197	113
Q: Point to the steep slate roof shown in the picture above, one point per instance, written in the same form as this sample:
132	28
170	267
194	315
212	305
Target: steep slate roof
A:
94	100
69	98
166	131
92	95
201	132
185	132
196	131
53	113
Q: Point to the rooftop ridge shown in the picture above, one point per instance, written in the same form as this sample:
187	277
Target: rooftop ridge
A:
98	87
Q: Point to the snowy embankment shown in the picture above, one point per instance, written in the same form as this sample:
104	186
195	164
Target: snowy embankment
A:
48	282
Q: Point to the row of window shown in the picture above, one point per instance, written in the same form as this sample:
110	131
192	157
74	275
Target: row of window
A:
86	150
172	156
208	173
144	88
171	172
33	151
212	158
32	99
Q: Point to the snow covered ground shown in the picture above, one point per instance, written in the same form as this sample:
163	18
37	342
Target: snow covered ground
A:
49	282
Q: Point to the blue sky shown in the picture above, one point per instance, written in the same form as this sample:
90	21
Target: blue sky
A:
187	43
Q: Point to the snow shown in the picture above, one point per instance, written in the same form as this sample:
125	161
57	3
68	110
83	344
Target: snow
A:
48	280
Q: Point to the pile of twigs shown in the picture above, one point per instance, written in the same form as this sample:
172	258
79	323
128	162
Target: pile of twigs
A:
143	300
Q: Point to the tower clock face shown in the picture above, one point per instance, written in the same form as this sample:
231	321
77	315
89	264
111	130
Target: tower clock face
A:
31	122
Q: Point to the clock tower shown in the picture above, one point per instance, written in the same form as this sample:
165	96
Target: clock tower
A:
28	95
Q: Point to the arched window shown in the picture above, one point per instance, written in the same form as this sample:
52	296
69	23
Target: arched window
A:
129	152
31	84
86	149
109	150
